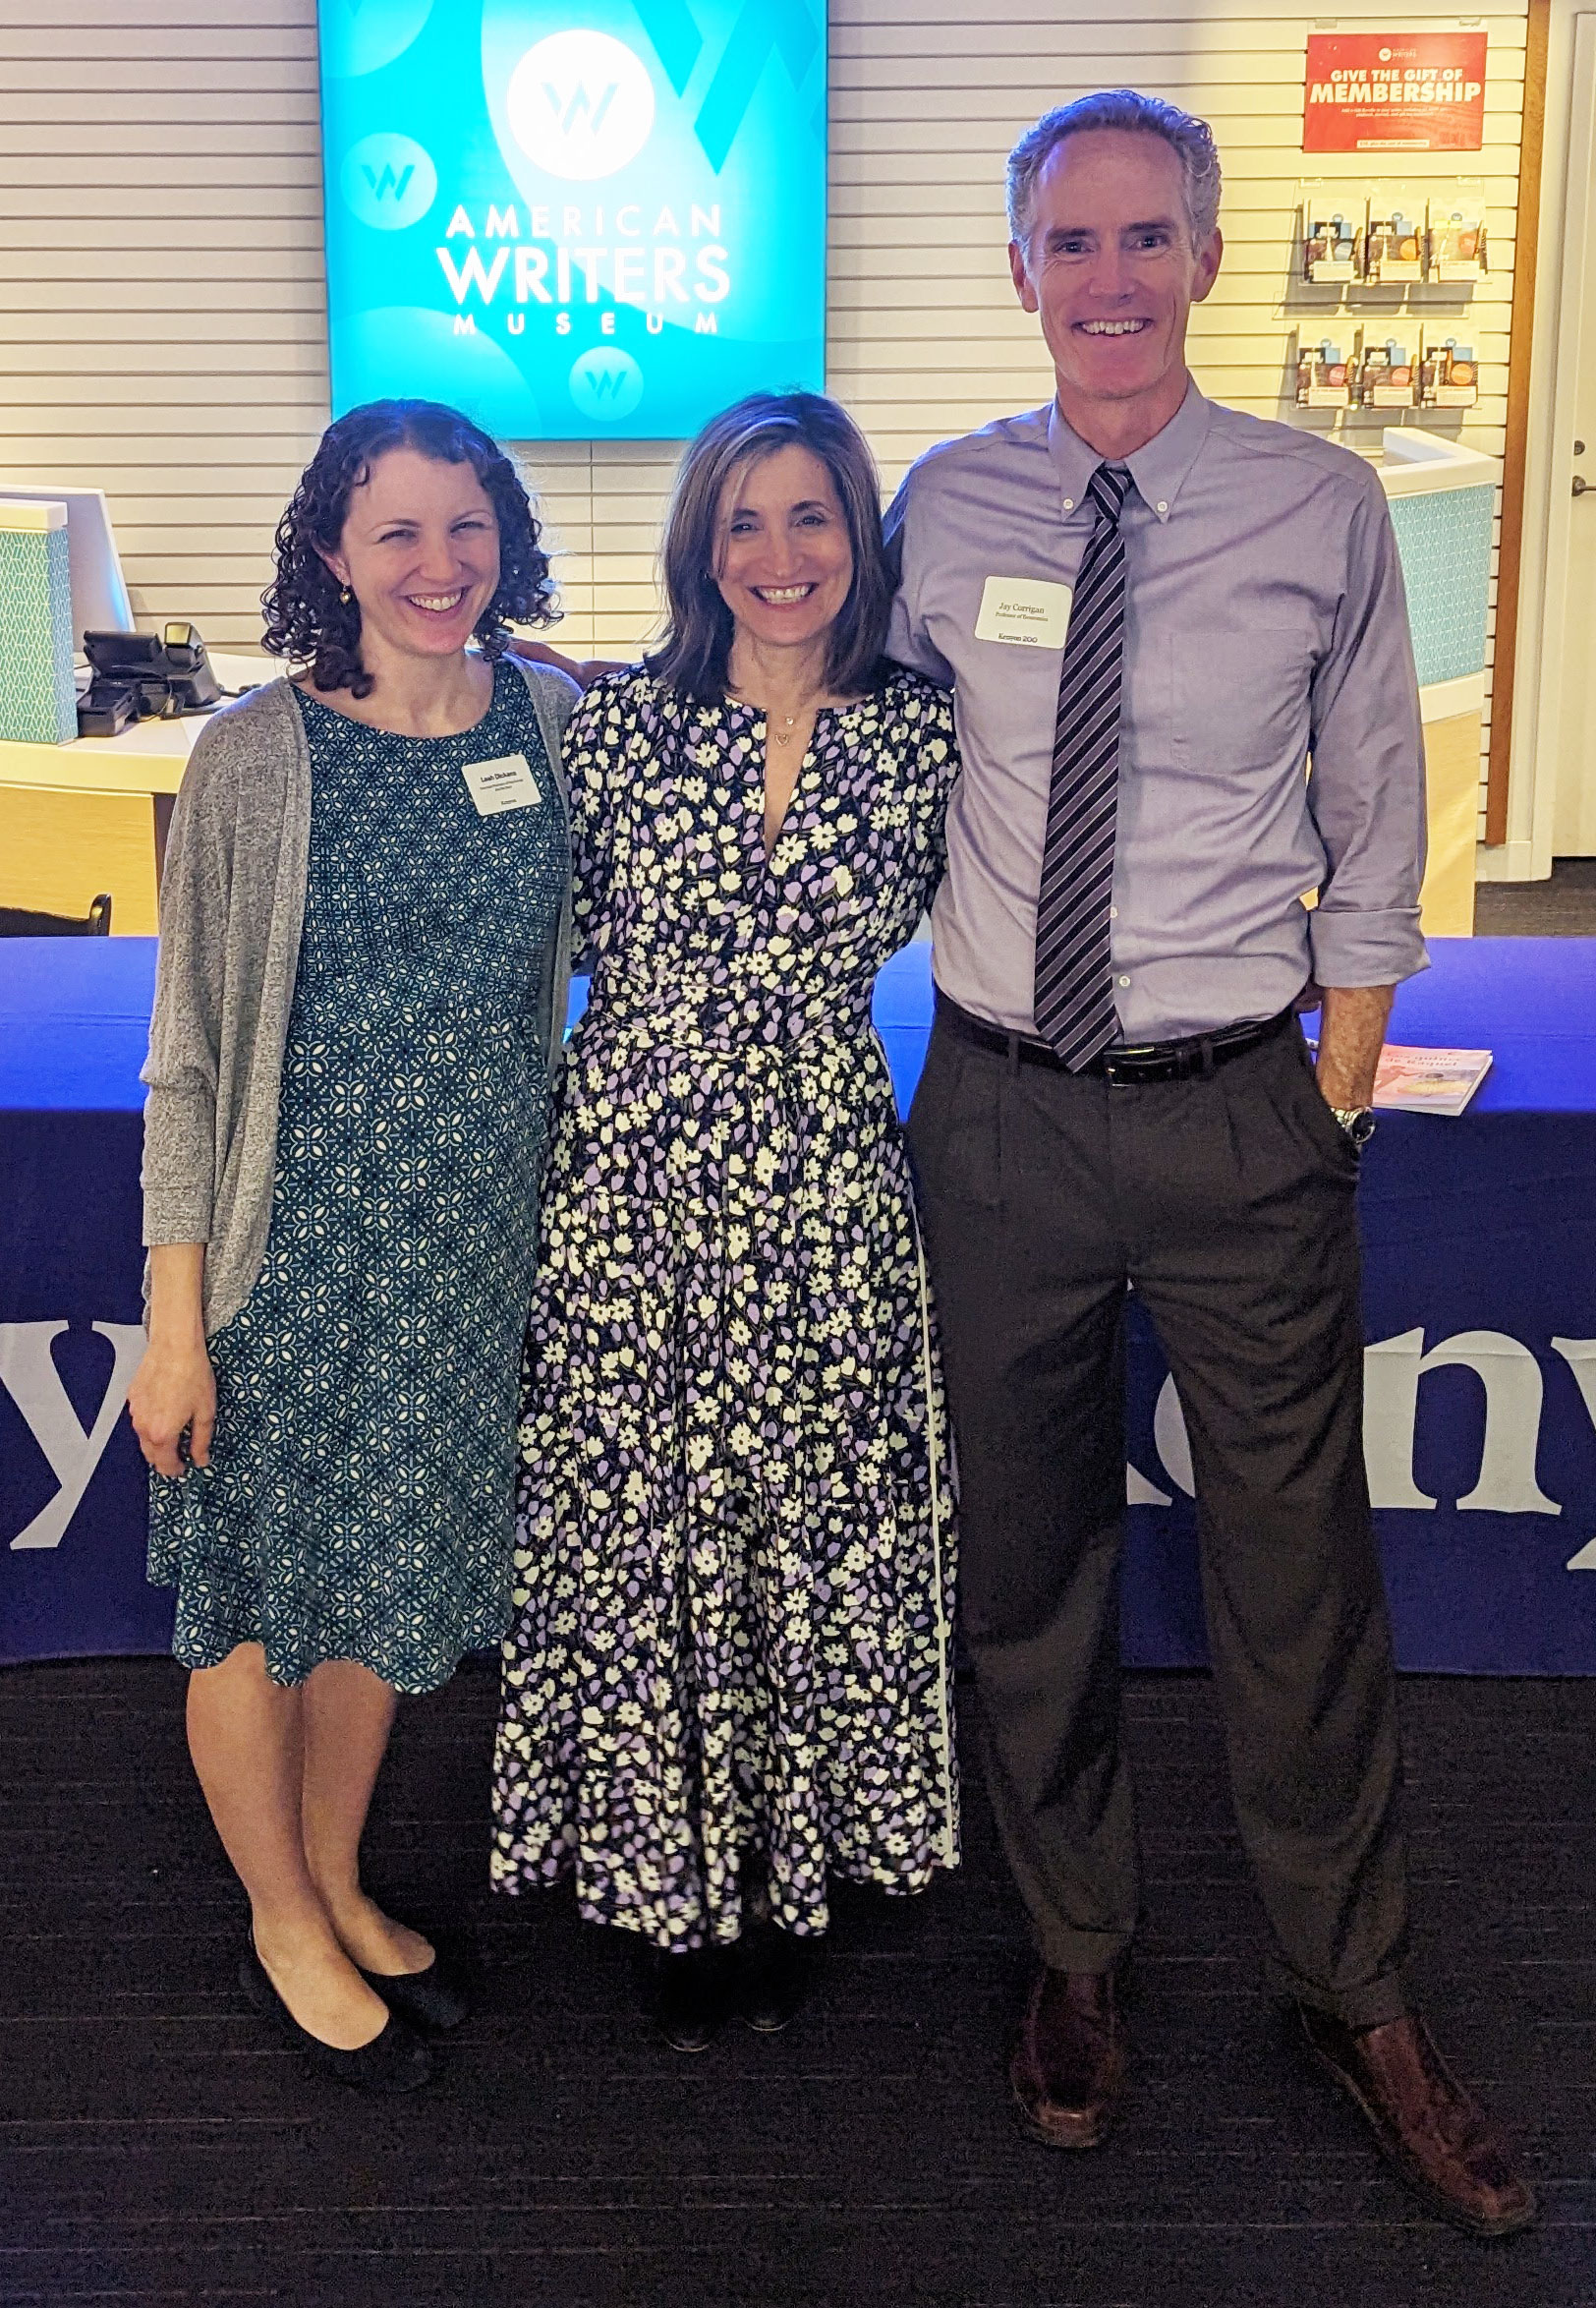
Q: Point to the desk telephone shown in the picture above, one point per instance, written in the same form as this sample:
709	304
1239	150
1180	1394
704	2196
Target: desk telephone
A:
135	676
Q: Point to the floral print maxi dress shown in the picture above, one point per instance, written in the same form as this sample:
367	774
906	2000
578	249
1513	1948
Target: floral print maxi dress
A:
735	1554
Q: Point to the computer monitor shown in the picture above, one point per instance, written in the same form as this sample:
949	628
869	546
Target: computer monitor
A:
100	594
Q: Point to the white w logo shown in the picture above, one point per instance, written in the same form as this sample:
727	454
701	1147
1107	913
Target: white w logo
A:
578	107
580	104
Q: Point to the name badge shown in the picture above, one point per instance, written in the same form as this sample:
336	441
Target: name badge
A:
497	786
1028	610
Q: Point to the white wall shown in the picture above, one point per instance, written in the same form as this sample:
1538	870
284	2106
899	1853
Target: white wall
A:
162	324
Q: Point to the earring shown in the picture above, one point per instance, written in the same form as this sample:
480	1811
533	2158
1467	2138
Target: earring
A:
345	596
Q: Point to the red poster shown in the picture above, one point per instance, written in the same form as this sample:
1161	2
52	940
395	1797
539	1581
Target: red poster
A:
1395	93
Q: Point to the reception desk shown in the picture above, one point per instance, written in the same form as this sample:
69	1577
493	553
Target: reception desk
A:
90	816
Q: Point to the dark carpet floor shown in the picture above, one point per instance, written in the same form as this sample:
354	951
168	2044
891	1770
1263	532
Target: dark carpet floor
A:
1562	907
158	2145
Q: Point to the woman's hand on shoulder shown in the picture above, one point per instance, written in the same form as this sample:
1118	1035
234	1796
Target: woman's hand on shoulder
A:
584	671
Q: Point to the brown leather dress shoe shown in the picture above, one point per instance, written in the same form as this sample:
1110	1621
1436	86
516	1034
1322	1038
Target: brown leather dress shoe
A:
1069	2067
1434	2136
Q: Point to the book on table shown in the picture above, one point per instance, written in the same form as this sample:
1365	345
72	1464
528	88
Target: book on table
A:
1429	1082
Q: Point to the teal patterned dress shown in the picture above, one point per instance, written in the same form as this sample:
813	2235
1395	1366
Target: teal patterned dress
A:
361	1496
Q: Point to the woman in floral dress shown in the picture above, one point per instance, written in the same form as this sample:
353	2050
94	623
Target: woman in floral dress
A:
728	1676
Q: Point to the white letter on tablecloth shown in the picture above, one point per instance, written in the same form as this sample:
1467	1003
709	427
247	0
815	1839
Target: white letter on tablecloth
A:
1173	1443
1391	1403
1139	1493
1580	1357
1511	1379
30	1376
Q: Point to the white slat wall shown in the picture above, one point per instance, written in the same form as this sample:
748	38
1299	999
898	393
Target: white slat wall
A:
162	326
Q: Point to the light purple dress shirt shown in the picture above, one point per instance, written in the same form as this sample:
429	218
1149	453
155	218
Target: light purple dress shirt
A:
1265	623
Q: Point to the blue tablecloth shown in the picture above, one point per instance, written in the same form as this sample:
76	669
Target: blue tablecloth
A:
1480	1252
73	1025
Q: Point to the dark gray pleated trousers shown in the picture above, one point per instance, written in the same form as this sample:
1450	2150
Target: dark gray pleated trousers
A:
1227	1203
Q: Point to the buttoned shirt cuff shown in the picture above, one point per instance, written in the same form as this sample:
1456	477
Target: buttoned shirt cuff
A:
1350	947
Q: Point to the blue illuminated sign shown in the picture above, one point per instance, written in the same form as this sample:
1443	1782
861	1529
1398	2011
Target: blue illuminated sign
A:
601	216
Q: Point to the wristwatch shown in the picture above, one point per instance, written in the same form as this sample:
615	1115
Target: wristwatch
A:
1357	1121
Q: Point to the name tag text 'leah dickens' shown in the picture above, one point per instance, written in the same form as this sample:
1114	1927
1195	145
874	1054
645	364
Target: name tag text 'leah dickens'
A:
497	786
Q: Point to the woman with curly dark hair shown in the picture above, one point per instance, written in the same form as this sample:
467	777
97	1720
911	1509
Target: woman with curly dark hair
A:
364	949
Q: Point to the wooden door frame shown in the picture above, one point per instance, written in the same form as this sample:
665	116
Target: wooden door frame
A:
1515	444
1526	704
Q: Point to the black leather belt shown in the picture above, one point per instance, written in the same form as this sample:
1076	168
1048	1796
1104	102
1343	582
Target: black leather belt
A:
1194	1056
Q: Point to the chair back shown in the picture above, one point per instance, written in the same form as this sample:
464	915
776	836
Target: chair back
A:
17	921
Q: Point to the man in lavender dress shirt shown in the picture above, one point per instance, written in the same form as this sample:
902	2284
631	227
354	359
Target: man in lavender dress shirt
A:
1117	1095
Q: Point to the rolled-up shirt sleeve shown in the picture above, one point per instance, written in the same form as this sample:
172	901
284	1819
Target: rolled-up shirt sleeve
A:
1366	779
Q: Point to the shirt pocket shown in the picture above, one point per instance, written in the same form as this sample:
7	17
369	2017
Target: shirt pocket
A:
1241	697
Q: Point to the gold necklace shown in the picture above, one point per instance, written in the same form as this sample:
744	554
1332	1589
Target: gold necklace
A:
789	722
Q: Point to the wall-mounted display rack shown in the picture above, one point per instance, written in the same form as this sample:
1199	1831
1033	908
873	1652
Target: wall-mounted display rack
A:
1392	235
1381	375
1399	257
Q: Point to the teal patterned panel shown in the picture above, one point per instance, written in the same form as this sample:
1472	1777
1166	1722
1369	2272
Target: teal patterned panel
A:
1443	538
37	696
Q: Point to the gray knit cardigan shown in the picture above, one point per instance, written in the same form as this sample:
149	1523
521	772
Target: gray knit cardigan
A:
232	909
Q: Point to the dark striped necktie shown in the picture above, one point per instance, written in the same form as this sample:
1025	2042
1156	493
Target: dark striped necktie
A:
1074	983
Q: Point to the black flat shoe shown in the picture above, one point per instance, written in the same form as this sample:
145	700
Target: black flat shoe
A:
687	1997
394	2060
433	2000
774	1973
